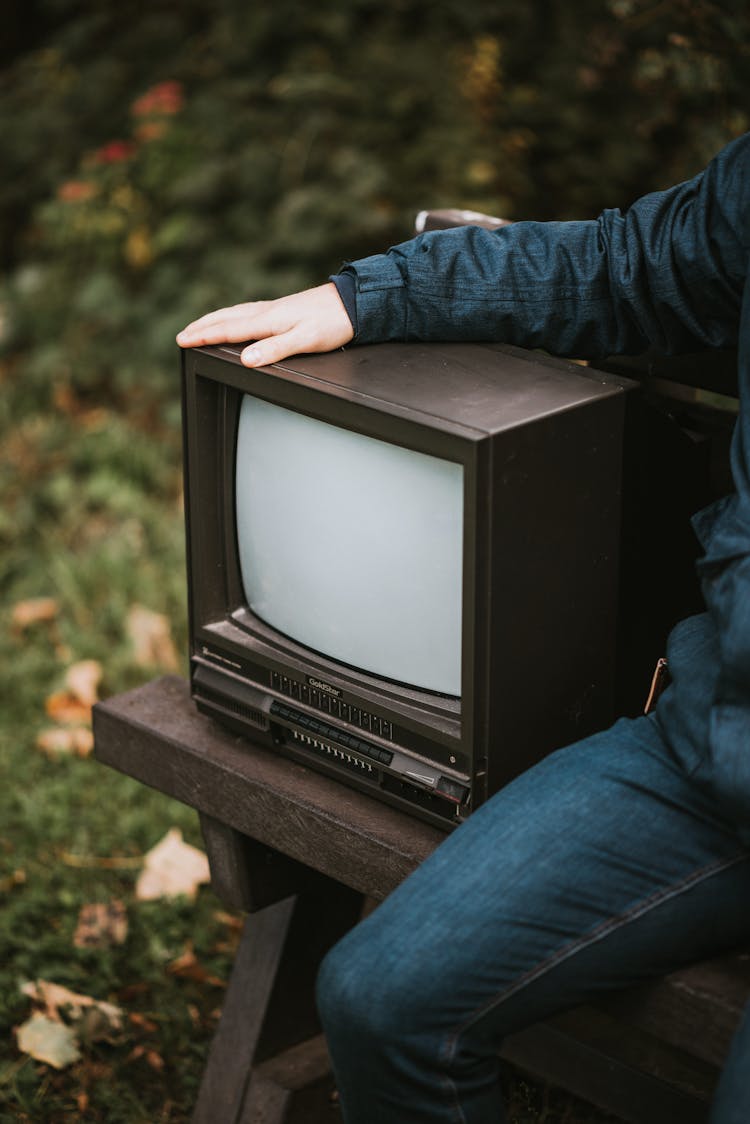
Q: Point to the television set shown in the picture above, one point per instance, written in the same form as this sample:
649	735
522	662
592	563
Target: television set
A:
403	560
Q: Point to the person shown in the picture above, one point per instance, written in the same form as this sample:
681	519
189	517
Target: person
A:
627	854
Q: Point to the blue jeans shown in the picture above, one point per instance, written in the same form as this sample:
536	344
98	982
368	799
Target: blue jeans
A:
604	865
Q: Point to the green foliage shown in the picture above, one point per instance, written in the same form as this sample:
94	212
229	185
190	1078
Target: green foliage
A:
276	141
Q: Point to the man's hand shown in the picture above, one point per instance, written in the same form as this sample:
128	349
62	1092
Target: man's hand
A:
314	320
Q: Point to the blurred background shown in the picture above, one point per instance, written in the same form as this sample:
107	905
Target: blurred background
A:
159	161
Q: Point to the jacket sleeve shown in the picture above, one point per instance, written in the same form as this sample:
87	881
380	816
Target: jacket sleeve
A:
667	274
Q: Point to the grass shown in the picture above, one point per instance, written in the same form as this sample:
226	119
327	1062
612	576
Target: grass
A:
92	518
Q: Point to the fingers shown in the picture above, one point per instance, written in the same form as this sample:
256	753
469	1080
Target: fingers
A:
272	349
225	325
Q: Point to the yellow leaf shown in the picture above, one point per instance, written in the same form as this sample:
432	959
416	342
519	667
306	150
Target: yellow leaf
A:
171	868
139	250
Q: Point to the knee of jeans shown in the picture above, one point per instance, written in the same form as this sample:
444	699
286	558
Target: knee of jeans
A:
354	999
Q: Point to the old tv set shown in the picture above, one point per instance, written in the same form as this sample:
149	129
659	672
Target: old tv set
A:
403	560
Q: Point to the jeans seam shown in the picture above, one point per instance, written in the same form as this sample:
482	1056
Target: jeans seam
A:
603	929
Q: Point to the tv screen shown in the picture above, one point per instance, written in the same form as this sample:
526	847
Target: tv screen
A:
351	545
402	560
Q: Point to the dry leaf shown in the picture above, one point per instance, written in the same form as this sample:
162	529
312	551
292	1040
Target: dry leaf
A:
82	680
151	637
54	1000
62	741
17	878
234	921
156	1061
65	708
48	1040
147	1025
36	610
72	706
188	966
171	868
101	924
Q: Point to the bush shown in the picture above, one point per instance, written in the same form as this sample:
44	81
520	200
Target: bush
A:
250	151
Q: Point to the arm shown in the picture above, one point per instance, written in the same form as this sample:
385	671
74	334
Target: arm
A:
667	274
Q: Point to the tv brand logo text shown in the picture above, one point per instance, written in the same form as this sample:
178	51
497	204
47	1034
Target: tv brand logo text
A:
324	687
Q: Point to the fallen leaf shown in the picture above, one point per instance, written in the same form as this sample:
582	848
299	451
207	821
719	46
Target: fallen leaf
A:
17	878
156	1061
65	708
171	868
151	637
101	925
56	1001
62	741
232	920
82	680
48	1040
188	966
35	610
72	706
143	1022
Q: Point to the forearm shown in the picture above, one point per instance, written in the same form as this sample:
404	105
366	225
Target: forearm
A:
666	274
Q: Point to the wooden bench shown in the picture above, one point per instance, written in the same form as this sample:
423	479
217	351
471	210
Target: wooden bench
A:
302	853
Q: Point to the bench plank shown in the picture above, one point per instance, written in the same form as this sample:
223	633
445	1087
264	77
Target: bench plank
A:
155	734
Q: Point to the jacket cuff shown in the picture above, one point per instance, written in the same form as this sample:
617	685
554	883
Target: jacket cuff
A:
381	307
346	289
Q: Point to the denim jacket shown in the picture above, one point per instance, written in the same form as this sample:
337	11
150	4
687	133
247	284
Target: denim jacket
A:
670	273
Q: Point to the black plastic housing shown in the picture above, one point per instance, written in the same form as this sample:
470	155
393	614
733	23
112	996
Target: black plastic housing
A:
541	445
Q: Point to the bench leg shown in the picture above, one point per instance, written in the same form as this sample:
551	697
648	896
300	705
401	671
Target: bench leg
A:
267	1044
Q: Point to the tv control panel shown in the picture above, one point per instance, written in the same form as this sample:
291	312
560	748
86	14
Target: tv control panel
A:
315	693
